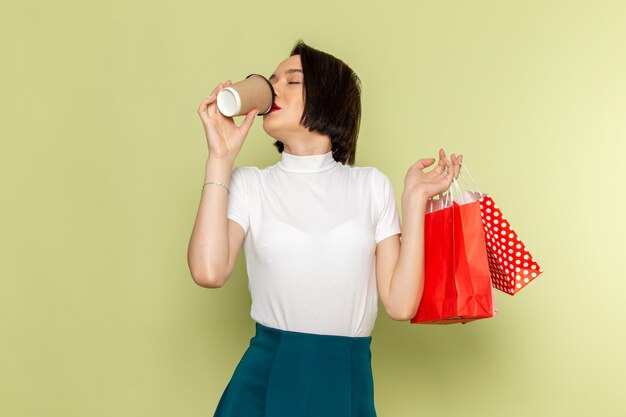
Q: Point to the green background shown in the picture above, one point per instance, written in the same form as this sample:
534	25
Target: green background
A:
102	160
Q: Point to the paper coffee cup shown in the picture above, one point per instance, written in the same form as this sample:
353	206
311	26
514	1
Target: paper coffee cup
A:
253	92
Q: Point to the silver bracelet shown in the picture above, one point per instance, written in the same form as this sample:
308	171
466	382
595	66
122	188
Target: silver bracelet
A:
216	183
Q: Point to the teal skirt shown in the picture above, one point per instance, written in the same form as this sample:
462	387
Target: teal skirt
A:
294	374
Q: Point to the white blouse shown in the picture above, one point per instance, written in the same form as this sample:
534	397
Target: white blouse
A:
312	225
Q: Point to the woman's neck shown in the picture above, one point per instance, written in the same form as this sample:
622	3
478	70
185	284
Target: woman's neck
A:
314	143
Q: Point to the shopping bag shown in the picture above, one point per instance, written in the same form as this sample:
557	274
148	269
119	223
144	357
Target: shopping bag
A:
457	284
511	265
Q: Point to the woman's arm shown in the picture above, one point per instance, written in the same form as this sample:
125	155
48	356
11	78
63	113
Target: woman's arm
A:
209	252
215	240
400	264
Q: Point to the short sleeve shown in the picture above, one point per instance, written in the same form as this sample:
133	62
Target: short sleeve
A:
238	198
388	220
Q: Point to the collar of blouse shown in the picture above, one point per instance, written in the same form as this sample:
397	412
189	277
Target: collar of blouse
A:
307	163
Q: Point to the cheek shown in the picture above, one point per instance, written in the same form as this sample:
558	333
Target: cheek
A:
297	114
299	107
295	111
297	101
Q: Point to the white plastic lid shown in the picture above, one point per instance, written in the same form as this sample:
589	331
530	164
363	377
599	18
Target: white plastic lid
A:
228	102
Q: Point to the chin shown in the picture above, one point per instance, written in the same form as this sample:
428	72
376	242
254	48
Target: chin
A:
268	128
273	129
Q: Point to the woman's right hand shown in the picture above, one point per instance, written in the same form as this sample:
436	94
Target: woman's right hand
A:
224	138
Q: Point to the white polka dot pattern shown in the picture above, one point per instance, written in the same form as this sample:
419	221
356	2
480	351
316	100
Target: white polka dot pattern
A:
510	264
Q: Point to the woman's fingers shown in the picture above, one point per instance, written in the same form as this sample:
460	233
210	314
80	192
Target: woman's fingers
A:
213	109
457	166
215	90
247	122
445	168
203	108
207	107
207	101
423	163
420	165
449	170
441	166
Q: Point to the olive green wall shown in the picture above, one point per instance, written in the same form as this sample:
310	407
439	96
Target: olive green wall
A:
102	160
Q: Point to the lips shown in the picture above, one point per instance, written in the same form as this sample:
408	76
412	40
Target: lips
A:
274	108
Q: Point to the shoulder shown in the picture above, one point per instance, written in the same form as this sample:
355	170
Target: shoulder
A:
243	179
245	173
371	175
245	170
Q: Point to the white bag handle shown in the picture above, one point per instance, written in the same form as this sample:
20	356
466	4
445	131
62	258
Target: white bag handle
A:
461	172
448	195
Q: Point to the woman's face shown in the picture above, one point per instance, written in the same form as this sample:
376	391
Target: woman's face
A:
288	83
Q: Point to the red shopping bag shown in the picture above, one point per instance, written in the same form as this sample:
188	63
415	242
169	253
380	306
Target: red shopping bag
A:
511	265
457	284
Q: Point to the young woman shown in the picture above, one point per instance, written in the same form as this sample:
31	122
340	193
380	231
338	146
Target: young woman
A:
321	241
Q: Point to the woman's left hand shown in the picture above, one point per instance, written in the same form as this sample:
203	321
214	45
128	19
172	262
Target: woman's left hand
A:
437	181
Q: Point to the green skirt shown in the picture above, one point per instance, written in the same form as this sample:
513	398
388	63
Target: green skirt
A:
294	374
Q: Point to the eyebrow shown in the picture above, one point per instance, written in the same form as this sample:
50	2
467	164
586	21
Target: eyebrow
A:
289	71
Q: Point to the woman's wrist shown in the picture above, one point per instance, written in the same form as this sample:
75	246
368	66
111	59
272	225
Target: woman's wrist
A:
218	170
221	161
414	200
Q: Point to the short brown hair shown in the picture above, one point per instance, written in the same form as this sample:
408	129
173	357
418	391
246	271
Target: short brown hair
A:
333	101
